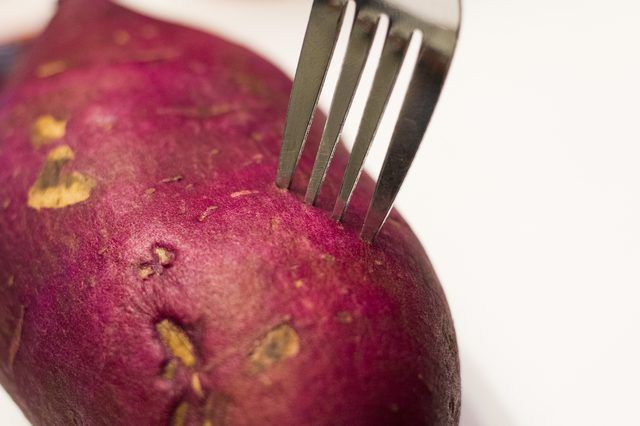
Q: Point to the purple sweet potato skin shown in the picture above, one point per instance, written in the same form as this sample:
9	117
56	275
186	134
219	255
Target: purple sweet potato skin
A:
164	279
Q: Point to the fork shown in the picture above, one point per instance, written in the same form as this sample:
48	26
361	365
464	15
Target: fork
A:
432	26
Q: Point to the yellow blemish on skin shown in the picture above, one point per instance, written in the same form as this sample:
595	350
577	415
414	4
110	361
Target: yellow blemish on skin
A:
243	193
51	68
11	281
165	256
328	258
183	208
299	284
250	83
279	344
156	55
344	317
395	222
196	111
275	223
209	411
205	214
177	342
54	189
14	346
180	414
47	129
196	385
121	37
170	370
172	179
145	271
149	32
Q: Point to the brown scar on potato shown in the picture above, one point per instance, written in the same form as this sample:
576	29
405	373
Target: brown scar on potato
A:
121	37
177	342
344	317
179	417
155	55
145	271
208	412
256	159
14	346
215	410
248	82
50	69
11	281
196	111
47	129
172	179
328	258
149	32
205	214
183	208
165	256
281	343
54	189
243	193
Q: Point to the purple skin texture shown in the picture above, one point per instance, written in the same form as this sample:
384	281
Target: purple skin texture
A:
151	272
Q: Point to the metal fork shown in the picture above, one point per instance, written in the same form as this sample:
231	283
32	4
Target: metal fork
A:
434	24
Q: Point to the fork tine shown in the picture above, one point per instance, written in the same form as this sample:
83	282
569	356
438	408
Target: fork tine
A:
319	43
364	34
390	63
417	110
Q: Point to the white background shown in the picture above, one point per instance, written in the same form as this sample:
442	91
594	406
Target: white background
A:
526	195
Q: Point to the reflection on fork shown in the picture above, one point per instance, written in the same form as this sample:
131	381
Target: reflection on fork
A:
423	40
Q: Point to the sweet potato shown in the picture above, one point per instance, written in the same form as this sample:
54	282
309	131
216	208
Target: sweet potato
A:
152	273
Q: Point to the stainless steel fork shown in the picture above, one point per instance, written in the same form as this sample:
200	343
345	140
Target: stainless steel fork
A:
434	24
